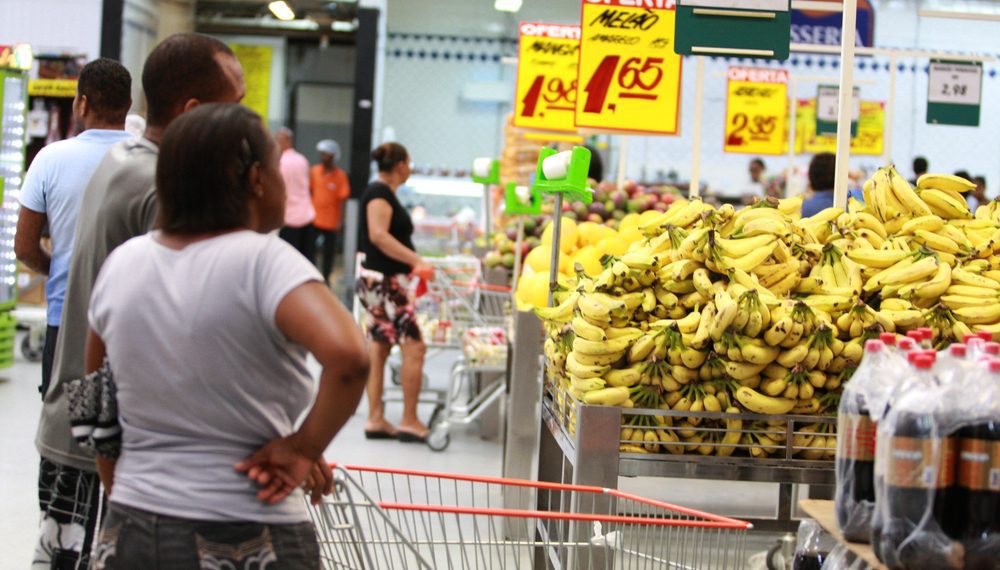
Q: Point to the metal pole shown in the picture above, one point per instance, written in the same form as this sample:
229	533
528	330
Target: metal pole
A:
694	187
556	231
846	108
890	111
488	210
517	261
790	180
622	162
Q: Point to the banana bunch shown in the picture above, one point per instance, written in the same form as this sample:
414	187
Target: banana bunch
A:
942	194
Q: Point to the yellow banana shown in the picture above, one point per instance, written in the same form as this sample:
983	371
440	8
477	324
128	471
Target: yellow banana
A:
761	404
944	181
936	285
929	222
919	270
825	216
763	226
615	396
880	259
905	194
623	377
561	313
580	370
986	314
973	291
964	277
726	309
586	384
864	220
937	242
584	329
593	309
597	359
944	205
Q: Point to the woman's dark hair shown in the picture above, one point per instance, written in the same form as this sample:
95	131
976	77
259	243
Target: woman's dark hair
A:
823	171
388	155
203	170
596	170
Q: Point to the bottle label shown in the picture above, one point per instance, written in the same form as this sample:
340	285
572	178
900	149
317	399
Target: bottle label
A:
913	463
979	465
859	437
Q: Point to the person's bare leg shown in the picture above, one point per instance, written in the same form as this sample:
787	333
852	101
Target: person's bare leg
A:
379	353
411	377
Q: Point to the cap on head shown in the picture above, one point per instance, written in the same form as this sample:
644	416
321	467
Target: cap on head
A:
329	146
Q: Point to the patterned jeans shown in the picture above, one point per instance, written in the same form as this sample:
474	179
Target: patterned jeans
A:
131	538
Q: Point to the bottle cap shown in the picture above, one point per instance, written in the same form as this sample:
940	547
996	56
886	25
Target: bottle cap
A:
957	350
923	361
985	335
992	348
968	338
906	344
915	335
874	346
888	339
911	356
926	333
995	365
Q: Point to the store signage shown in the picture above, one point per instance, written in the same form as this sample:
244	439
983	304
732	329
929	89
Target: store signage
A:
546	93
256	62
827	105
756	111
870	132
824	28
749	28
954	93
52	88
629	74
18	56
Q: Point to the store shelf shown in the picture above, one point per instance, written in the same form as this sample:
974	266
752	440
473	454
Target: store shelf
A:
823	512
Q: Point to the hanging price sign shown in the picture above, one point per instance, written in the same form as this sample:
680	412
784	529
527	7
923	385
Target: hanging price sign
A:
546	76
629	74
827	107
756	111
954	93
870	132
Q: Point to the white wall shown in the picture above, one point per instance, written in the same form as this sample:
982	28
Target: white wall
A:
53	26
442	129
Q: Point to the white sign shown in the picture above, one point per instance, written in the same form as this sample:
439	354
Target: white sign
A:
828	101
771	5
955	83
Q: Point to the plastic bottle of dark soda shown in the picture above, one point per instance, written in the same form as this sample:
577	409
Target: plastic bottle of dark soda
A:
855	463
974	517
919	479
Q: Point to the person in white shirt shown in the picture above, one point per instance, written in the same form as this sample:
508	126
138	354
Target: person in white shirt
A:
205	324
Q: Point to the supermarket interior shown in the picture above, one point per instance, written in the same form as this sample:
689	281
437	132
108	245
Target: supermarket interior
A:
500	284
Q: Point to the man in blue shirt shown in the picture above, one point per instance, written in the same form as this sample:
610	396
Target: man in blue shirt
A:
54	184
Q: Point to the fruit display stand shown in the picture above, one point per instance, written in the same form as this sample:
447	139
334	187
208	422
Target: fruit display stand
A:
582	443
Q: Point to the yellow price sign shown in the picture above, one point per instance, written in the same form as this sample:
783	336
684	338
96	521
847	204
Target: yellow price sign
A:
629	74
546	76
256	62
52	88
868	142
756	111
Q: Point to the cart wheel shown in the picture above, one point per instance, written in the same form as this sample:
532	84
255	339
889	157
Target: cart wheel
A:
439	438
435	415
32	354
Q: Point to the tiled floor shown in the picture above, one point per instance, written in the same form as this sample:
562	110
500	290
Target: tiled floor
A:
468	453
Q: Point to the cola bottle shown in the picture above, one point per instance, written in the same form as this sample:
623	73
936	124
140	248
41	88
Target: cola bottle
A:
855	462
919	480
974	517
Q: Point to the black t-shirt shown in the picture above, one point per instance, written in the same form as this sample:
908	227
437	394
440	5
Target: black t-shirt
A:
400	227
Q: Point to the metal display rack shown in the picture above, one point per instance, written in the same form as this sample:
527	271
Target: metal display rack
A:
579	443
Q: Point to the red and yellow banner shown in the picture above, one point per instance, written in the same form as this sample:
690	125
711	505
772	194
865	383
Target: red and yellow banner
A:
756	111
629	74
868	142
546	76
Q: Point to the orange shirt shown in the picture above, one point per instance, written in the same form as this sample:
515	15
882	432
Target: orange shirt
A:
329	190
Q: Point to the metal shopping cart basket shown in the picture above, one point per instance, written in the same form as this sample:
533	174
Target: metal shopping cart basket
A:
381	519
480	315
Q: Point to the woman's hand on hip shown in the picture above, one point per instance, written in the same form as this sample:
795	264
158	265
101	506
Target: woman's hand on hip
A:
278	468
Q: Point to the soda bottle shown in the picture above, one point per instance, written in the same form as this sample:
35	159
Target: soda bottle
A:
855	461
919	478
974	517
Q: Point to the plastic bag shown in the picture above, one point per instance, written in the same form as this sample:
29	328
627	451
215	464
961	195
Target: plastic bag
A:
841	558
856	426
813	546
938	494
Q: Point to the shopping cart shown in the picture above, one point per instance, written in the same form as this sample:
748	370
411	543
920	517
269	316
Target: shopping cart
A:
399	519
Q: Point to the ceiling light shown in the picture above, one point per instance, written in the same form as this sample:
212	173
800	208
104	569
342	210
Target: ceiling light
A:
507	5
281	10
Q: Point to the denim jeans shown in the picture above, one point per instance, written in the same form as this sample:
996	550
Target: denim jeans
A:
131	538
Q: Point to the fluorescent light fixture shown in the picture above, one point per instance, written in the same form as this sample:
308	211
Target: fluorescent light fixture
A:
507	5
281	10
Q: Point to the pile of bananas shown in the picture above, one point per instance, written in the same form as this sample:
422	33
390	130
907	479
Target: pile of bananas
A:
759	310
